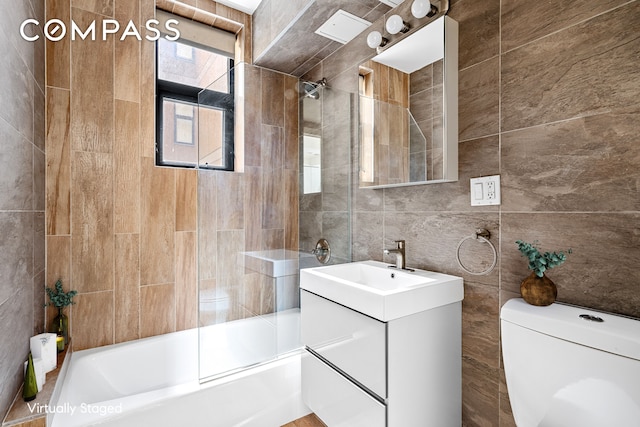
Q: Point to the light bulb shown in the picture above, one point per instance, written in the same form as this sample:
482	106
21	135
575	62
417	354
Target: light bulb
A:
375	39
422	8
395	24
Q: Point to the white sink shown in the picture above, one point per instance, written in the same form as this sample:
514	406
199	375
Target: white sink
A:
384	293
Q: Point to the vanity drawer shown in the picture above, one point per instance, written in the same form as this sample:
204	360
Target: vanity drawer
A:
351	341
337	401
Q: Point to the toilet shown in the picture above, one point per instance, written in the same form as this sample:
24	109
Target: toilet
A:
570	366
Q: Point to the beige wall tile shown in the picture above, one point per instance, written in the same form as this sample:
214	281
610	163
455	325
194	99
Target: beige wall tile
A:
230	265
186	281
58	169
147	99
58	267
92	221
116	196
480	324
38	422
272	194
165	5
252	292
591	277
523	22
478	110
229	13
128	10
480	388
245	40
368	240
157	310
291	191
253	208
186	199
102	7
291	131
585	164
92	126
58	53
207	224
272	98
127	54
568	94
272	239
148	9
40	324
252	115
230	203
91	320
571	73
127	287
432	239
204	17
126	168
272	151
179	8
479	30
157	238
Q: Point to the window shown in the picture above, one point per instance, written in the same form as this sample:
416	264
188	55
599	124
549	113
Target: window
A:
194	102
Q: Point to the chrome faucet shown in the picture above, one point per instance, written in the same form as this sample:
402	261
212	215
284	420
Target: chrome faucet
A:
399	252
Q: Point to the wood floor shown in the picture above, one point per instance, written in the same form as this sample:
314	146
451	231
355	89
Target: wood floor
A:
309	421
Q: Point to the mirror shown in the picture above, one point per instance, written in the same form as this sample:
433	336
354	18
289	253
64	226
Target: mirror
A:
409	110
311	126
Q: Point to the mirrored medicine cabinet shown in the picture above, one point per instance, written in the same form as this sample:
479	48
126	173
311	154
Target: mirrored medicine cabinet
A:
409	110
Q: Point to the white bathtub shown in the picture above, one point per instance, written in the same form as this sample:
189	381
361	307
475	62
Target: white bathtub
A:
155	381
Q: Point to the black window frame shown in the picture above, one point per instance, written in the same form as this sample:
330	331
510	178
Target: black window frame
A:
199	97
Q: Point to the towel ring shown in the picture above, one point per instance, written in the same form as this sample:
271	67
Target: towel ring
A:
483	235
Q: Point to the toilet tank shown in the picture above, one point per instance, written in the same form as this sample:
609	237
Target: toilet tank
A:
570	366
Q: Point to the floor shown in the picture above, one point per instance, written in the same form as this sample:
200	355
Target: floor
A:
309	421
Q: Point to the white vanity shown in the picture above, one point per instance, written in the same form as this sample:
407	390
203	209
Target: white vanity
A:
383	346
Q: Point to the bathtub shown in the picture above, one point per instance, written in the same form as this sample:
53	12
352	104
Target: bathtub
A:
156	381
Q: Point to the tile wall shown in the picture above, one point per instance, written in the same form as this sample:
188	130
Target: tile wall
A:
253	211
22	202
122	231
548	100
332	118
389	99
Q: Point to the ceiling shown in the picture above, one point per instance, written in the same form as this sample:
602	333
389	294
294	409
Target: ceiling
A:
246	6
296	48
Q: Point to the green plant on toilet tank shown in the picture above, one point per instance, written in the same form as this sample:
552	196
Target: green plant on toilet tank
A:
60	299
538	289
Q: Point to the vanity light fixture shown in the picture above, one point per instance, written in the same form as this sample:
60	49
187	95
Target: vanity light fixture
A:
396	25
422	8
375	40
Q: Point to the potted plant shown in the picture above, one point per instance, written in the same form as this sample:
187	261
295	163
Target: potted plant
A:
60	299
538	289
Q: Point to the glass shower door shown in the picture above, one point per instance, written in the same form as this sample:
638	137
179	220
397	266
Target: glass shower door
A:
247	227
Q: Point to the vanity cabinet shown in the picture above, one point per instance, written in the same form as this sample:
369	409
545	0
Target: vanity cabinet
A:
360	371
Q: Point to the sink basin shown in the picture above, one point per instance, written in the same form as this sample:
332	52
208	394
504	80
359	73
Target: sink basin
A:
384	293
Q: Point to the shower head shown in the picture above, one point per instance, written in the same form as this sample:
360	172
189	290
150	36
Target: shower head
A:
310	89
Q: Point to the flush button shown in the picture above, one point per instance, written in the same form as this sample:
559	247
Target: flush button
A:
591	318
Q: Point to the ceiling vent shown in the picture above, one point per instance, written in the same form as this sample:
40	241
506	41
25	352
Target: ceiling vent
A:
343	27
392	3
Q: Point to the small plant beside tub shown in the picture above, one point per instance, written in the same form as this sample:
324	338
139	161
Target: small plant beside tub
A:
60	324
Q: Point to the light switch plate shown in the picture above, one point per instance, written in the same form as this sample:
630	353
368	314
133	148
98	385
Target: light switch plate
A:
485	190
